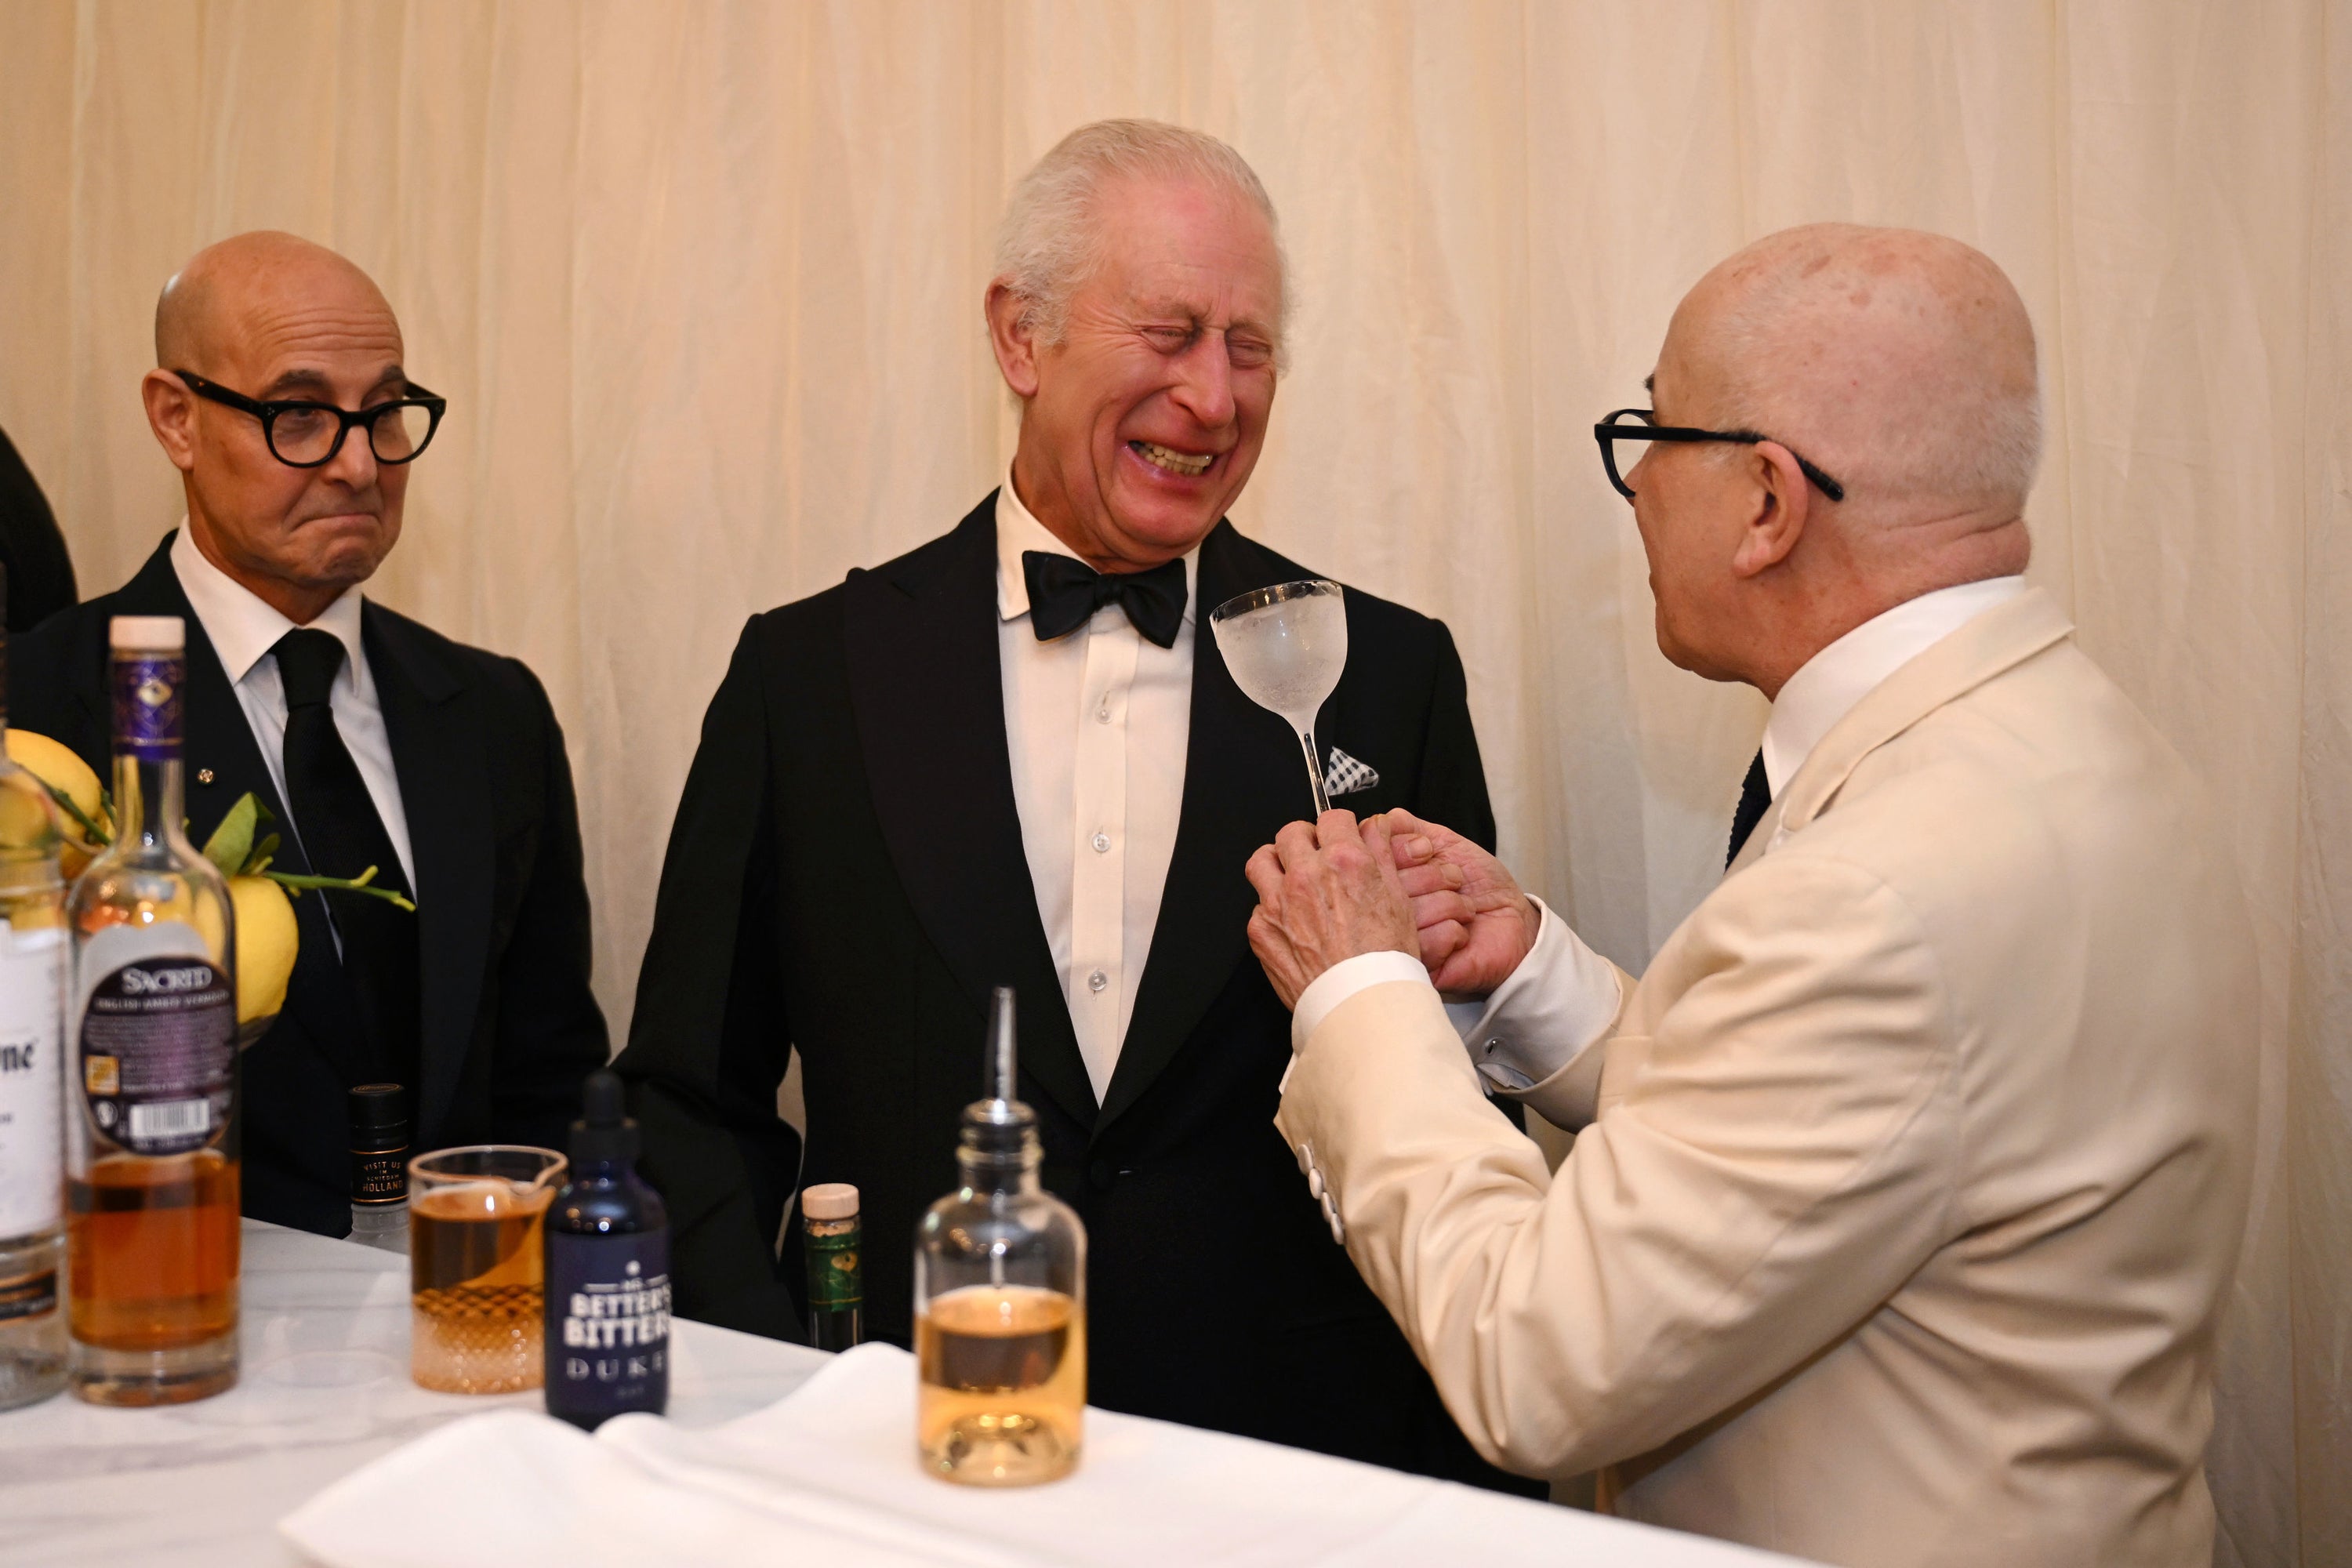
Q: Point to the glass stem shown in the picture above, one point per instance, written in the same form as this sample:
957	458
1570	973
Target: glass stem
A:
1314	772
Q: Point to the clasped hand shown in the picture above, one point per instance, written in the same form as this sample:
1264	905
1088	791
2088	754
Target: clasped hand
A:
1335	889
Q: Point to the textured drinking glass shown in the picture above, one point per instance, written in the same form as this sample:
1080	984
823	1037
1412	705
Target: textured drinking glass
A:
477	1265
1285	646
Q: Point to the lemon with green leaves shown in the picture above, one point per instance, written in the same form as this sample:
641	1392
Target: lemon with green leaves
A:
241	847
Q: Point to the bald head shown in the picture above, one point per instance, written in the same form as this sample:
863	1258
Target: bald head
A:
1899	361
1899	365
275	319
235	294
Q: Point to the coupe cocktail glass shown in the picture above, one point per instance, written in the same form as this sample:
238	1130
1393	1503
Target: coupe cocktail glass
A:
1285	646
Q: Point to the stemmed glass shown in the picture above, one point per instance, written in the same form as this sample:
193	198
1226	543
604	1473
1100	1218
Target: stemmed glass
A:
1285	646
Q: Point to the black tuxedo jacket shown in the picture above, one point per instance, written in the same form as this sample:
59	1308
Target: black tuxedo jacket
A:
509	1026
846	875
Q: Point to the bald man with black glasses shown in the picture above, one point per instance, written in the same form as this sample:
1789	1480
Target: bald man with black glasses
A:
281	397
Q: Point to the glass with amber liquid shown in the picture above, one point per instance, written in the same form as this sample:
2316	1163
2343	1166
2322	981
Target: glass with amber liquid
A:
478	1266
152	1161
1000	1302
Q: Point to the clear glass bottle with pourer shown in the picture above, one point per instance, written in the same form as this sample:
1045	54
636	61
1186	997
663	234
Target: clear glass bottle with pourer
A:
1000	1301
152	1158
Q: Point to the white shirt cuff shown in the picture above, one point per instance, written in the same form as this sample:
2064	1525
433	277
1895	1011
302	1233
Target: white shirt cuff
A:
1342	980
1559	1002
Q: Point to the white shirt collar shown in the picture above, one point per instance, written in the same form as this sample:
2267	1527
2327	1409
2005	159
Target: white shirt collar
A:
1018	530
240	625
1828	685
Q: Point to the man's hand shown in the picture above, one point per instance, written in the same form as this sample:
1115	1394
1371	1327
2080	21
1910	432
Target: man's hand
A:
1475	924
1325	891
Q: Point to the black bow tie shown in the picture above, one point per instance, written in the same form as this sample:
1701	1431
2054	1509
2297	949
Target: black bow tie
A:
1065	593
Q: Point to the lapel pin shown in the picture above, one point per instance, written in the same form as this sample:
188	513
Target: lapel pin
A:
203	775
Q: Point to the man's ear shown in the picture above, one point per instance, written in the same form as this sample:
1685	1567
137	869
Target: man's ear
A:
1011	334
1784	501
171	414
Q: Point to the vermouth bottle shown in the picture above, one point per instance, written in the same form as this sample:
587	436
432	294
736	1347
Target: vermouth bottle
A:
32	1026
152	1161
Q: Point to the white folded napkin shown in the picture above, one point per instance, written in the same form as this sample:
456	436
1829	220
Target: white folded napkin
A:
829	1474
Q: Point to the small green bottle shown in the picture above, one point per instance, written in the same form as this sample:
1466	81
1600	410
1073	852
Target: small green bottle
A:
830	1237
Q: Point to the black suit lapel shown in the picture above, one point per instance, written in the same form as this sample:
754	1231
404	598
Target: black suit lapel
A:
220	748
930	700
1243	780
436	753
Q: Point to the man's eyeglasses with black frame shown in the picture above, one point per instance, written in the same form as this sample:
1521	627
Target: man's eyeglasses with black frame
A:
302	434
1614	429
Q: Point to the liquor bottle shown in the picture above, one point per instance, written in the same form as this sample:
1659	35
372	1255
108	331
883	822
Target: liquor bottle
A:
608	1272
830	1238
32	1030
1000	1301
379	1119
152	1164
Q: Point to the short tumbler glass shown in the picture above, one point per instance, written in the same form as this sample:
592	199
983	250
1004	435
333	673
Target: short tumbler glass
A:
477	1219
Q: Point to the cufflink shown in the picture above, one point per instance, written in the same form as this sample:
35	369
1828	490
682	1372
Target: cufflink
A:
203	775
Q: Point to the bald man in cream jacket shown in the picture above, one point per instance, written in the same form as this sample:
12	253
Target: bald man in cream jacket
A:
1909	1179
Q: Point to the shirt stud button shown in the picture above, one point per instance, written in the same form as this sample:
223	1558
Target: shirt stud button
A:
1101	842
203	775
1097	980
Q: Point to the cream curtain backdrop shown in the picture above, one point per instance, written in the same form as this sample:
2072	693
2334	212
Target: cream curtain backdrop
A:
701	283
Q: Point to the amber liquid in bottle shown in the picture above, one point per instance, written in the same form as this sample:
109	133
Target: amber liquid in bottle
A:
154	1245
1004	1384
152	1167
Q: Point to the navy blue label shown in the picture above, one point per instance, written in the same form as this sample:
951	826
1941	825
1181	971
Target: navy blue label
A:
607	1324
147	705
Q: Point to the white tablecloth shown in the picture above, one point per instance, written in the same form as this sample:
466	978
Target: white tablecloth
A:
828	1475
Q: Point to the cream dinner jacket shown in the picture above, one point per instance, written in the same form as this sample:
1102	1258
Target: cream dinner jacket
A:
1915	1172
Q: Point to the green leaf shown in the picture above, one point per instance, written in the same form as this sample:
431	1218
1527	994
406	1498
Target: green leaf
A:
263	852
232	841
91	830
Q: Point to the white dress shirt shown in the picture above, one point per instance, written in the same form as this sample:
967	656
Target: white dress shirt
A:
243	629
1097	724
1563	996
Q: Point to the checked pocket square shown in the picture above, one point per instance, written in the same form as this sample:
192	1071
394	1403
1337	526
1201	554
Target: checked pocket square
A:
1346	775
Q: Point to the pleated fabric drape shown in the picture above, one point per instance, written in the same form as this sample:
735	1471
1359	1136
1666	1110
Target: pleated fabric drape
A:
701	282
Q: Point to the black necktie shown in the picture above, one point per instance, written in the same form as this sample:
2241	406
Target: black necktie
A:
1755	798
1065	593
335	820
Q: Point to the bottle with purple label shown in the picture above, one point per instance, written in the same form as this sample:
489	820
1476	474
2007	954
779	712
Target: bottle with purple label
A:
152	1157
608	1272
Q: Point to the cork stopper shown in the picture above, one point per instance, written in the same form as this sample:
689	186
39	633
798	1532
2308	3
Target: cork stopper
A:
829	1199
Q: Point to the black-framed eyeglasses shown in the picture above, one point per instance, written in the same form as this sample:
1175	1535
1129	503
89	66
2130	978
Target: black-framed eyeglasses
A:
1614	429
306	434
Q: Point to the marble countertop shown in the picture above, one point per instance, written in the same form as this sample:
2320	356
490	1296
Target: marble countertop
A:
324	1389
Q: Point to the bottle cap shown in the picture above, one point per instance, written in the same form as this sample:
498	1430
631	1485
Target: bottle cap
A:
148	634
829	1199
605	1131
379	1113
